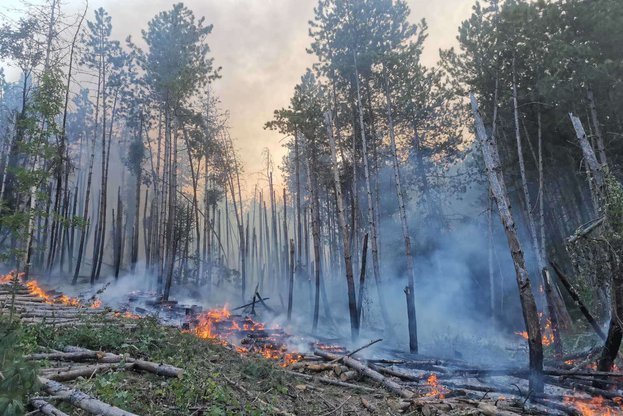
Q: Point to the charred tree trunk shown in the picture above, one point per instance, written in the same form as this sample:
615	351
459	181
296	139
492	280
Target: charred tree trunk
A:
500	195
410	289
372	223
352	301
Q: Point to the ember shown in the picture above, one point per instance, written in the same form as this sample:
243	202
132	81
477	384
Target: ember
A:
595	406
36	290
436	389
547	334
127	314
246	335
48	297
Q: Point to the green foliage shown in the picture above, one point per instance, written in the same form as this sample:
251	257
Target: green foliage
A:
18	377
200	386
176	63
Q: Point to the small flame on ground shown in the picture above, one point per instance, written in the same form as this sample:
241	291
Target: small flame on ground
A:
127	314
217	325
436	389
595	406
36	290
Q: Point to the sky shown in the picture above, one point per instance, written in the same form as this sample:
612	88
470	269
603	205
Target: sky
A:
260	45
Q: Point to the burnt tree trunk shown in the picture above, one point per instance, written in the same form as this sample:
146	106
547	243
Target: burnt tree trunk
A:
526	297
350	281
410	289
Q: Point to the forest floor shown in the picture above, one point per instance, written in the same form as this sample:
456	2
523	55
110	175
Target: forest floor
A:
78	352
216	379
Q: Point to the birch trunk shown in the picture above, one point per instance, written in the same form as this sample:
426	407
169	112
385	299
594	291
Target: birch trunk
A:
500	195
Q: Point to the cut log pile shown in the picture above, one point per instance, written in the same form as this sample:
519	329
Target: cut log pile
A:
74	362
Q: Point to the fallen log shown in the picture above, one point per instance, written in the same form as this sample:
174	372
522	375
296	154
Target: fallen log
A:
46	408
151	367
368	372
313	366
80	399
398	374
64	356
350	354
563	373
488	409
88	371
332	382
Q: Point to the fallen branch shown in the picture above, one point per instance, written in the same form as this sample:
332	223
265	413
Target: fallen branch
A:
46	408
368	372
81	400
88	371
332	382
151	367
252	396
369	344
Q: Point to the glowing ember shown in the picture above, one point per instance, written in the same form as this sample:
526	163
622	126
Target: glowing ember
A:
436	389
127	314
245	335
595	406
96	303
7	278
547	334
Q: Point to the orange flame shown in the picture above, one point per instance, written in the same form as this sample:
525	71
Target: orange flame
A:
36	290
547	334
10	277
217	325
127	314
595	406
436	389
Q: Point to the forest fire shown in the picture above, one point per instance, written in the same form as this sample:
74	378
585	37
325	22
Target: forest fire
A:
436	389
127	314
245	334
596	406
547	334
35	289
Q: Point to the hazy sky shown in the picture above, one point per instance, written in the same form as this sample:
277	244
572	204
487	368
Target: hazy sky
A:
261	46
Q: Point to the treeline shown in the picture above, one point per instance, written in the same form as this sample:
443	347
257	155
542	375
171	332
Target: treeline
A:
373	130
112	154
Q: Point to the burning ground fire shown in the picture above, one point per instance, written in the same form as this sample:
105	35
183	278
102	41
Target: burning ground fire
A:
596	406
36	290
436	389
246	335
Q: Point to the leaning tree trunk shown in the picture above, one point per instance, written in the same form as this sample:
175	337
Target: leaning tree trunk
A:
350	281
556	315
526	297
410	289
609	195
